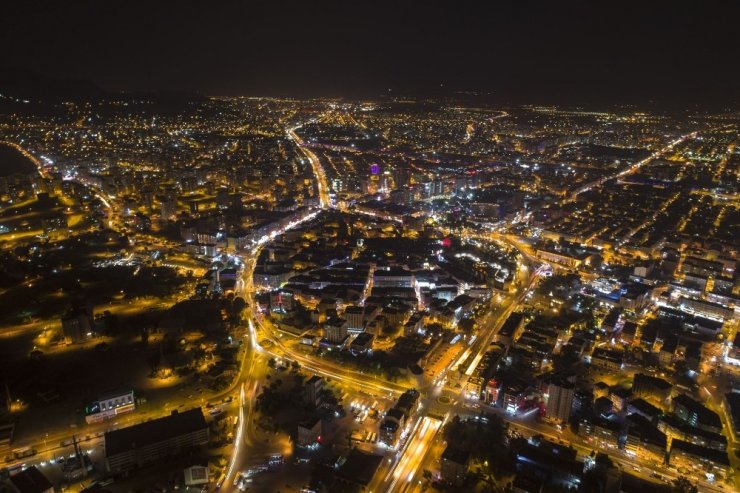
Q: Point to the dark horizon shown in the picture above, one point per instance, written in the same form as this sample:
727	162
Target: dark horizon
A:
576	52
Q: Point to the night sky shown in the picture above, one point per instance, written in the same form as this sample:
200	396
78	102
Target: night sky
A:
538	51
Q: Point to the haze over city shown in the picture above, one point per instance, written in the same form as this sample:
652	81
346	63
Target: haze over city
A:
369	247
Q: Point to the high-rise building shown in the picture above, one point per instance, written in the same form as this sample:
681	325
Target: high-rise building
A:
168	207
355	318
223	199
401	177
309	432
78	323
335	330
189	184
338	185
313	388
559	400
374	179
433	188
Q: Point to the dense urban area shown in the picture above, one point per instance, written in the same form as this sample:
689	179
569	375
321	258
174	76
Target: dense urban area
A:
399	295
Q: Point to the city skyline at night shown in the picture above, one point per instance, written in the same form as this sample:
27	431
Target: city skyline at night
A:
404	247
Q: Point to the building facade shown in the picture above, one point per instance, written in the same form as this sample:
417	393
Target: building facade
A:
150	441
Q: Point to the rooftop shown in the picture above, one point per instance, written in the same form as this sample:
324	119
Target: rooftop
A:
360	467
30	480
155	431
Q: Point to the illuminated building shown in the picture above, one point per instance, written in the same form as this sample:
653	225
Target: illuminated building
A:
168	207
355	318
109	406
401	177
696	414
335	330
195	475
709	461
373	183
559	400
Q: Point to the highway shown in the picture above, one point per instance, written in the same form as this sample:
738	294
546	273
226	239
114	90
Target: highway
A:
633	168
323	367
584	448
483	343
322	185
406	471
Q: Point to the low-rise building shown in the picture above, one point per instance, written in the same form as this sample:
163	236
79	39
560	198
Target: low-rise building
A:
362	344
414	325
511	330
696	414
110	405
644	440
150	441
602	430
357	470
568	259
677	429
551	463
608	359
708	309
393	277
454	465
699	459
644	409
30	480
635	296
649	387
195	475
